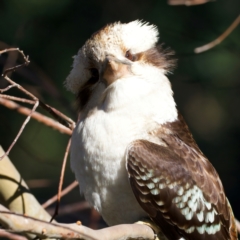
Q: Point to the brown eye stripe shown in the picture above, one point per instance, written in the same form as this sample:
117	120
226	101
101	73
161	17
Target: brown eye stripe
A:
85	91
159	57
84	94
156	56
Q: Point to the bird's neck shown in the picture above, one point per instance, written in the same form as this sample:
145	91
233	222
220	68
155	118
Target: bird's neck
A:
141	98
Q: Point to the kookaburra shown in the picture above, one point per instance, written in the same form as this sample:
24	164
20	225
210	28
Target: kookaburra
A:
132	152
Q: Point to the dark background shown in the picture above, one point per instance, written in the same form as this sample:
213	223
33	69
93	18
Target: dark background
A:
206	86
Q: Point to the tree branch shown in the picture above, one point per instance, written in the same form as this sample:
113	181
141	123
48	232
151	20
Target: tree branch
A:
24	224
187	2
218	40
35	115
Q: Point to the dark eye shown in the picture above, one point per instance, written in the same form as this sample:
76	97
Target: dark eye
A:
130	56
95	76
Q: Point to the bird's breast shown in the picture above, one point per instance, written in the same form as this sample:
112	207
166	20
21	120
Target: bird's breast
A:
98	160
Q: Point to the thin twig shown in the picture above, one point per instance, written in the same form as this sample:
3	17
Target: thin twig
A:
57	114
23	100
187	2
36	115
63	119
21	88
12	69
15	49
220	38
61	179
60	117
64	192
8	87
20	131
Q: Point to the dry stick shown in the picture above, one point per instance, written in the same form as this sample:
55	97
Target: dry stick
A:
220	38
61	179
5	234
55	113
187	2
20	131
63	119
7	88
23	100
19	87
46	80
64	192
15	49
35	115
12	69
58	115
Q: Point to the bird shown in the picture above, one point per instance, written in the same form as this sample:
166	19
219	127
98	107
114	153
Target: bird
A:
132	152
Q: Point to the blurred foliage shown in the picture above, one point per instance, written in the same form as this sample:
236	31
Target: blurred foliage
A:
206	86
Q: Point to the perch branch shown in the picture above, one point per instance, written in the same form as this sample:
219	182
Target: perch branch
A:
24	224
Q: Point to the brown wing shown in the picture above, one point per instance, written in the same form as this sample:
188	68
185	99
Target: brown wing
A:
179	188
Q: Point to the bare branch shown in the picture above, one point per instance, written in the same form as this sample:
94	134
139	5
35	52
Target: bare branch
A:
20	131
218	40
15	49
7	88
20	88
64	192
12	69
5	234
187	2
24	224
63	119
35	115
60	117
61	179
23	100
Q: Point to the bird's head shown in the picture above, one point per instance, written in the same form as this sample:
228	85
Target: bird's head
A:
119	56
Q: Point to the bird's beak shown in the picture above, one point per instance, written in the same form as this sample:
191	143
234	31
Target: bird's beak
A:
114	69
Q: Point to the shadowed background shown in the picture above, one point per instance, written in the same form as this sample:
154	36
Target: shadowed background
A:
206	86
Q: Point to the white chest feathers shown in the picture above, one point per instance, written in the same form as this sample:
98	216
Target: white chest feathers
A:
98	150
98	161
